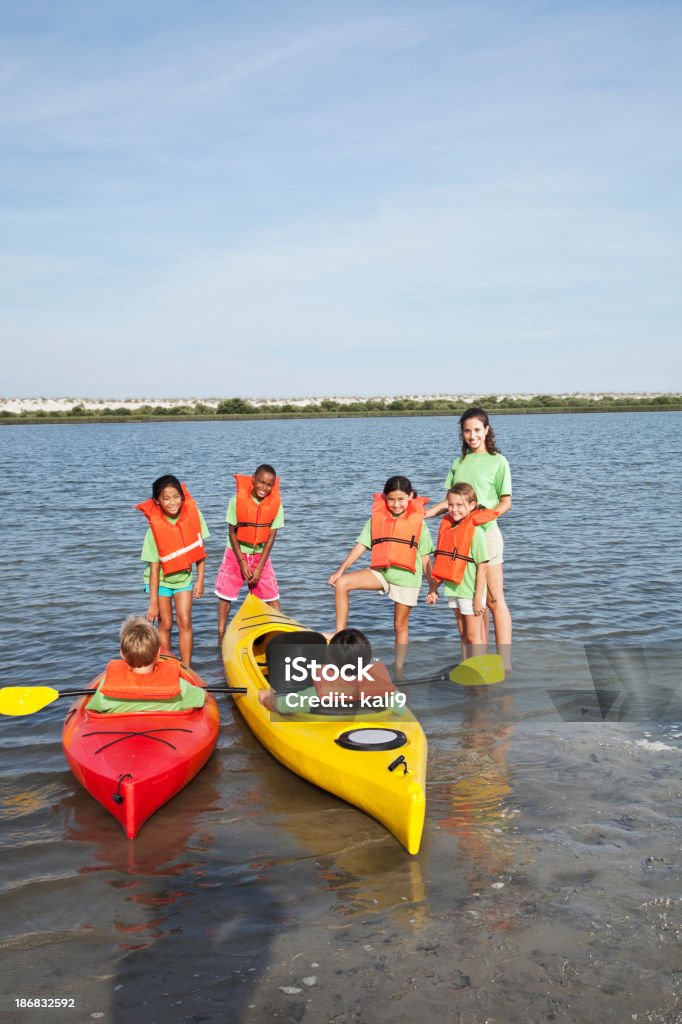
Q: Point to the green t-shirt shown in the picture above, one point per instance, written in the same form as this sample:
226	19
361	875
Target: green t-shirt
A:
150	553
231	519
489	475
479	553
191	697
400	577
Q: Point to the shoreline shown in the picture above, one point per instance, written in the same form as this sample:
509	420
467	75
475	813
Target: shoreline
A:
33	419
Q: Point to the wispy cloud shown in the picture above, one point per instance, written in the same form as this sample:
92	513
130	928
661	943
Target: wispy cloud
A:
334	194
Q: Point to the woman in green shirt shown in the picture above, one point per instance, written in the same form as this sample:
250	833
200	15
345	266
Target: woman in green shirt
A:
487	470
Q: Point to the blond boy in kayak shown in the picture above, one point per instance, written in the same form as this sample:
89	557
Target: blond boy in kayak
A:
142	681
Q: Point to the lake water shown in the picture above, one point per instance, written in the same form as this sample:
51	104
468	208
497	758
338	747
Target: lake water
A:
548	884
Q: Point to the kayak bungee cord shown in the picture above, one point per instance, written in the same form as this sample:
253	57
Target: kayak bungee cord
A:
149	734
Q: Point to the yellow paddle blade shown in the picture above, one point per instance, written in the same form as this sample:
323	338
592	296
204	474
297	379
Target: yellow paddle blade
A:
481	670
25	700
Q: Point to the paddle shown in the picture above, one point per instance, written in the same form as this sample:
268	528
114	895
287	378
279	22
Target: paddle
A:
481	670
26	700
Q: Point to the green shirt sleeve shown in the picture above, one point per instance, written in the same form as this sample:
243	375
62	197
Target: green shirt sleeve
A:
479	546
231	516
150	552
503	483
425	541
450	478
365	536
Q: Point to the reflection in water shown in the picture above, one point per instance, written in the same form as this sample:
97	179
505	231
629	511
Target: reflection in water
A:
477	800
355	860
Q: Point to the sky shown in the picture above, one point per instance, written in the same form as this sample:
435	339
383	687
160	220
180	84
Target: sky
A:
266	199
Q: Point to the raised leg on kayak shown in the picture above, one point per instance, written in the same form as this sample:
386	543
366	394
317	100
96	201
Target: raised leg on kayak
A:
363	579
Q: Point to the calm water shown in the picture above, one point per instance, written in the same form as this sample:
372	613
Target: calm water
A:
547	887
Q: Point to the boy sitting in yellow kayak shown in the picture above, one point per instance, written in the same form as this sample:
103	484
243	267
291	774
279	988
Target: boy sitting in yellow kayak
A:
142	681
348	679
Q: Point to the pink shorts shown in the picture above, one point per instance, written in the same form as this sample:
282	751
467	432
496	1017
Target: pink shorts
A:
230	581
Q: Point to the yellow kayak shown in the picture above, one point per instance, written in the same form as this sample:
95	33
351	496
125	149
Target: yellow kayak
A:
374	759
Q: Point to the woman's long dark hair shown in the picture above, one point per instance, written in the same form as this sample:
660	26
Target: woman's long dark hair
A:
476	413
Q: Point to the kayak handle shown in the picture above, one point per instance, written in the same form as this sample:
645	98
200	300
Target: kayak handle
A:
117	798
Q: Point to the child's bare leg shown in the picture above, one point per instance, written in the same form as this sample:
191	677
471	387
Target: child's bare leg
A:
363	579
275	605
183	614
459	618
223	615
500	613
473	636
401	625
165	621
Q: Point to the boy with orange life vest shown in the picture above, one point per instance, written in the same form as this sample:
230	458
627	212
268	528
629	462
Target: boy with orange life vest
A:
460	561
173	543
400	544
254	515
143	681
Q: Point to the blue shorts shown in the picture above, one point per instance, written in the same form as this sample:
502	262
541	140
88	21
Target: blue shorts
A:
169	591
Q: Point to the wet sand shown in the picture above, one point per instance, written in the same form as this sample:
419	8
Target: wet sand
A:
546	890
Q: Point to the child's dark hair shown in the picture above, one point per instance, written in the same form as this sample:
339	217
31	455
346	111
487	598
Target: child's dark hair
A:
399	483
167	480
265	468
476	413
346	646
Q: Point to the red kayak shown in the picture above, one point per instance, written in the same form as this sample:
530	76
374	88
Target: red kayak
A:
134	763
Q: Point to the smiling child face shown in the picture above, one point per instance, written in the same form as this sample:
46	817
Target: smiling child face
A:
170	502
459	507
263	482
397	502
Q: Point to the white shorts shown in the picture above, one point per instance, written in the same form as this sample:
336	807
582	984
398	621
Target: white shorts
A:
495	542
464	605
401	595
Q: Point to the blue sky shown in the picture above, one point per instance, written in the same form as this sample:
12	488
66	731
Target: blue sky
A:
288	199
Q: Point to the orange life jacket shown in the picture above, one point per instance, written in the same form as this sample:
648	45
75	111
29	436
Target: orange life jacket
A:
395	539
180	543
255	519
454	544
121	683
379	685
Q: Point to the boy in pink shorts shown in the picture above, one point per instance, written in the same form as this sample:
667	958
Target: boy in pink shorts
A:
254	515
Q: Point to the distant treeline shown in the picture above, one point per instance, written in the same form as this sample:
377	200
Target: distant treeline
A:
241	408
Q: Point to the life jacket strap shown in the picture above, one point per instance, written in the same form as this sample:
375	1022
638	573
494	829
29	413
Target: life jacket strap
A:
411	543
453	555
262	524
181	551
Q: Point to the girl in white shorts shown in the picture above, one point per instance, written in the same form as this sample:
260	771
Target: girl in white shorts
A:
461	563
400	543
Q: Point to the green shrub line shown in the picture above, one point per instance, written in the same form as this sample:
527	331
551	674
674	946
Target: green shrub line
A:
240	409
